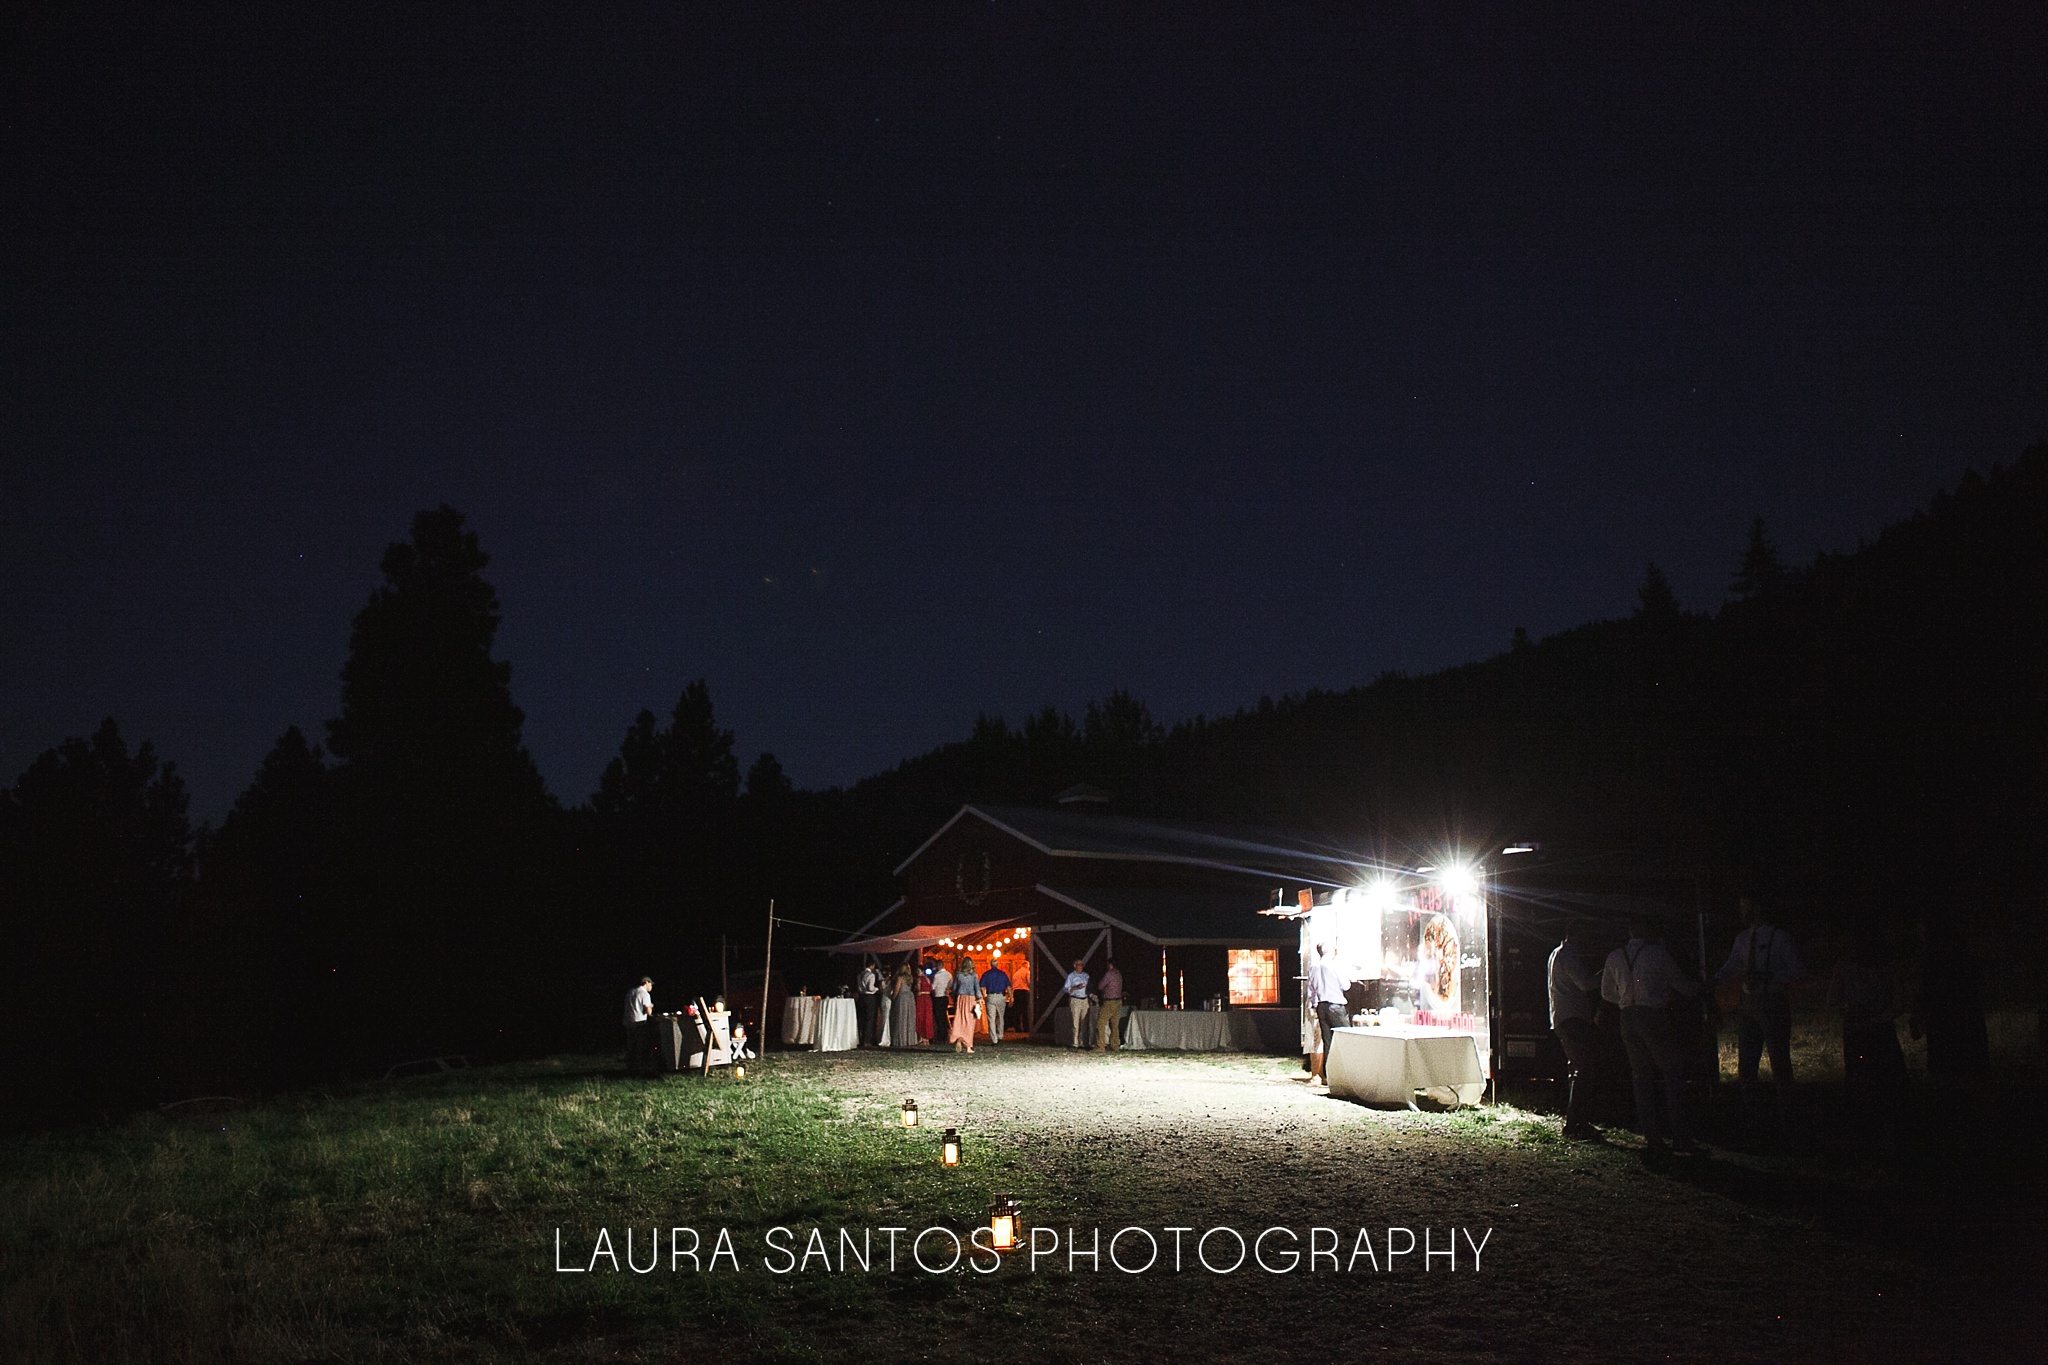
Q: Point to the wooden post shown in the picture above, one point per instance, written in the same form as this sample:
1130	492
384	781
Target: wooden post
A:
722	988
767	965
707	1033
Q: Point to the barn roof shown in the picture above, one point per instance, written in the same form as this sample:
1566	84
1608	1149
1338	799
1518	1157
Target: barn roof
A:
1177	917
1081	835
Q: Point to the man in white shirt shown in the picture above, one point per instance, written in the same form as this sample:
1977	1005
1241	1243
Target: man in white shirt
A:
639	1022
867	1004
942	1004
1326	983
1639	978
1076	991
1766	961
1572	987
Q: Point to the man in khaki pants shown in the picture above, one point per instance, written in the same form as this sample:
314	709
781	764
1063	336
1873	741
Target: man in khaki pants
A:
1076	991
1109	1014
995	994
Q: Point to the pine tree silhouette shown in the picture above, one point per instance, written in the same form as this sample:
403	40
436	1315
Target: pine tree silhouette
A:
1761	569
1655	601
443	810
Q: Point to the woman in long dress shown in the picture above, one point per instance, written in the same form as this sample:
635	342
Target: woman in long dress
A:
966	1006
903	1022
924	1002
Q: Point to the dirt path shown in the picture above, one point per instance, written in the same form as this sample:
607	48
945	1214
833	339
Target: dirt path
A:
1586	1252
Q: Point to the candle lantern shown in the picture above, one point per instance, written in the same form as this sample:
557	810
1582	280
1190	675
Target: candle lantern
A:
1005	1218
739	1071
910	1113
949	1148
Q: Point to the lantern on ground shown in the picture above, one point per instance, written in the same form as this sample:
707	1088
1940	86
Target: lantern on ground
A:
739	1071
1005	1217
909	1113
949	1148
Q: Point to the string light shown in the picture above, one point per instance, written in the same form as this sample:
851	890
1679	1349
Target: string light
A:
994	945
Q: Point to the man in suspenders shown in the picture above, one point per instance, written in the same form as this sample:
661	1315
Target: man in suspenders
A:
1639	978
1766	960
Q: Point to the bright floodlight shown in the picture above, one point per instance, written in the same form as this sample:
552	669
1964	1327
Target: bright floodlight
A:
1379	895
1458	881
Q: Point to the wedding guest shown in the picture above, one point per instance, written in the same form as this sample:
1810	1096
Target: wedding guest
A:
903	1019
1638	979
1573	987
924	1000
942	1001
1076	991
639	1023
966	1005
995	999
1767	963
867	1003
1110	1011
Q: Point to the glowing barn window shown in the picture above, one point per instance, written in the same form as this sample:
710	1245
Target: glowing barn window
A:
1254	976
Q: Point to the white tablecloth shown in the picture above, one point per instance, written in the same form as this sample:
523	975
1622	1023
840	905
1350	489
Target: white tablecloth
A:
1388	1065
1191	1031
838	1025
800	1020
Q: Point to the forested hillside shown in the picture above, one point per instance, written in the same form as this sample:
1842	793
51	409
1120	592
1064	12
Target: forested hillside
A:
1862	735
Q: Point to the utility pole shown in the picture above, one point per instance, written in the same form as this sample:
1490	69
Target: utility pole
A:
767	965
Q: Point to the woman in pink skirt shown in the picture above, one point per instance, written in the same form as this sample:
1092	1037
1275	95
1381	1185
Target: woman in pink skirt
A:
966	1005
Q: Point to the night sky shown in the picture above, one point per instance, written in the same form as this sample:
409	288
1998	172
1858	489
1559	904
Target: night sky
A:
889	366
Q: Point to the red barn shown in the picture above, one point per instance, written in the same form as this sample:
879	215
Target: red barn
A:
1177	905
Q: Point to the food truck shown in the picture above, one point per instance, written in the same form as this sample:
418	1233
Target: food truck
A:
1416	947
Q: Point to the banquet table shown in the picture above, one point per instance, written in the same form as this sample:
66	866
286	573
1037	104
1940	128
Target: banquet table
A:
838	1025
1190	1031
1388	1064
800	1020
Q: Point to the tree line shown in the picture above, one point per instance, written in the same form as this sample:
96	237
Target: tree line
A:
1858	734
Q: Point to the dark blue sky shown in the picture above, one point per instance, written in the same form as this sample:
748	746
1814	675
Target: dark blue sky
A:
891	367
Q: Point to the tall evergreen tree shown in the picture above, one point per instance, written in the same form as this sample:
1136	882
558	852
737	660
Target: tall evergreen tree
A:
766	781
428	732
95	862
1655	600
668	776
443	813
1760	569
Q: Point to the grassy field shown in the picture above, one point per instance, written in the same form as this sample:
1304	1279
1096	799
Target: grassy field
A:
418	1221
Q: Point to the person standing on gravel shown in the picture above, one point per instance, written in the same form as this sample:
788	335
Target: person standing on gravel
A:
867	1003
1326	983
1638	979
966	1004
1766	962
995	998
1076	991
1109	1014
1572	987
942	1002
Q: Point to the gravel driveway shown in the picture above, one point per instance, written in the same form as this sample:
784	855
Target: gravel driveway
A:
1591	1255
